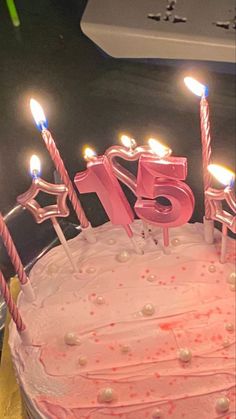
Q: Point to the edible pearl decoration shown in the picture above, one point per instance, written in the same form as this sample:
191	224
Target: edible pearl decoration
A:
222	404
232	278
106	395
226	343
211	268
125	349
111	241
175	242
100	300
82	361
185	355
148	309
90	270
71	338
151	278
52	268
123	256
156	414
229	327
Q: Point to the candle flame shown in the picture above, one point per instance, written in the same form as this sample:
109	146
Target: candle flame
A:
127	141
159	149
38	114
89	153
223	175
35	166
197	88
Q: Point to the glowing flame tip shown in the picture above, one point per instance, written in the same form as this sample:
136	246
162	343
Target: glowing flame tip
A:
159	149
35	165
196	87
38	114
223	175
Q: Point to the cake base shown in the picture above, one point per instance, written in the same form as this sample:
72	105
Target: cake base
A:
130	336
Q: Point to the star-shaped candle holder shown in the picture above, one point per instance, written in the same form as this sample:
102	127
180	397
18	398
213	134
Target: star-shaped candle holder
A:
52	212
215	199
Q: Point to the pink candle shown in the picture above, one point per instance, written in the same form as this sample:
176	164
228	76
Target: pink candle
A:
13	310
202	91
99	178
15	259
55	155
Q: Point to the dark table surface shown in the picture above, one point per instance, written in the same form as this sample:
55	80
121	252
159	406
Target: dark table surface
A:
91	98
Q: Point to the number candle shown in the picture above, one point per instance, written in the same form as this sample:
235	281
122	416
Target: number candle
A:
202	91
13	310
60	209
155	162
99	178
42	125
216	197
160	176
15	259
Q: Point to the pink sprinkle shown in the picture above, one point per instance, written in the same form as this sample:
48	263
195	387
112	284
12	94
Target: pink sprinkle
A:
91	313
183	268
147	271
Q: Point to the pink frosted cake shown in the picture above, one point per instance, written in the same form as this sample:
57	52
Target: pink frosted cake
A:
130	336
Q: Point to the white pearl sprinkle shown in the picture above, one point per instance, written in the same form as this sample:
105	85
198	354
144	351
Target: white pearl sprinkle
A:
185	355
222	404
71	338
125	349
232	278
156	414
123	256
100	300
106	395
175	242
82	361
229	327
111	241
151	278
232	287
52	268
211	268
91	270
148	309
226	343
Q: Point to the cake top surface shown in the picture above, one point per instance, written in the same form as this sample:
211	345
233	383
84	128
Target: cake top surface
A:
128	334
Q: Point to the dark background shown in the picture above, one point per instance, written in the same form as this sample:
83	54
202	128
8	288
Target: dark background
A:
90	98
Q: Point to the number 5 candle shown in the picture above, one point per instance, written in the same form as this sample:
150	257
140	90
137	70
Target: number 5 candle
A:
42	125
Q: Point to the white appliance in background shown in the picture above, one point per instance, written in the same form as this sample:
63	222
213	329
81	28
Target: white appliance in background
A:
172	29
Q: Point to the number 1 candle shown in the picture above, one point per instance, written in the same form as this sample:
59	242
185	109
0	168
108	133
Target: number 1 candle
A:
42	125
99	178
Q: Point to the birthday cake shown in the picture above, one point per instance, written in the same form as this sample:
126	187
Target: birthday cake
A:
133	319
130	336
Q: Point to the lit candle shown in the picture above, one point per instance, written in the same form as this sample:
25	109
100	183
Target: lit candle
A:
99	178
13	310
60	209
202	91
42	125
215	199
16	261
156	171
160	176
